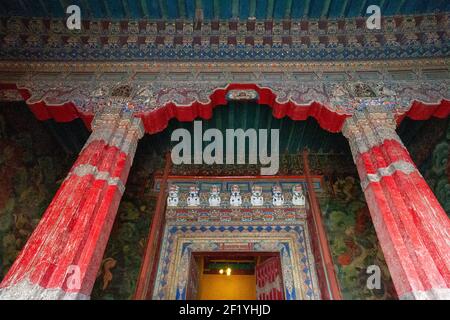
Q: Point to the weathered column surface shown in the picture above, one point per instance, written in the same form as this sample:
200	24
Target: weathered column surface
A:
412	227
64	253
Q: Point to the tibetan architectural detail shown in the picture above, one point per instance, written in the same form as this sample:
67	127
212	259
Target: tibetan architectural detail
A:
426	36
411	225
337	100
60	262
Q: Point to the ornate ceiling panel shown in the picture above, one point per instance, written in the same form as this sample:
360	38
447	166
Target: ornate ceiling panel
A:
218	9
291	40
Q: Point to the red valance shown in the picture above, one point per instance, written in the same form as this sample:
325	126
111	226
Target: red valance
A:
158	119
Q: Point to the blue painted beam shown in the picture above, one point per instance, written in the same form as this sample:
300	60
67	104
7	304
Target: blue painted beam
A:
306	8
288	9
244	9
162	4
153	9
171	8
126	10
235	9
261	9
182	9
270	6
252	9
326	9
401	3
363	8
144	8
344	10
86	9
216	9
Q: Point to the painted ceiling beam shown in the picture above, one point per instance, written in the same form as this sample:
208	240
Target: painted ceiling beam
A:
252	9
363	8
107	10
64	4
216	9
401	3
270	7
345	7
44	7
144	8
382	5
163	8
288	9
307	7
326	9
235	8
126	10
86	9
181	9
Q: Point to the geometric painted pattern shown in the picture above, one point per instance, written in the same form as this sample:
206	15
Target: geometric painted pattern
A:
291	241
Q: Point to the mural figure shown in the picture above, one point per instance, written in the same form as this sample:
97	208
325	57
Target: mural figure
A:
257	197
214	196
235	197
277	196
298	197
172	199
193	200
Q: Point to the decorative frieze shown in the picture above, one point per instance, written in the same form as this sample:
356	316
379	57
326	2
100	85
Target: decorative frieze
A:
141	40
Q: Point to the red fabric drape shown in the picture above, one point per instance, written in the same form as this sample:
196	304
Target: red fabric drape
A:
158	119
269	285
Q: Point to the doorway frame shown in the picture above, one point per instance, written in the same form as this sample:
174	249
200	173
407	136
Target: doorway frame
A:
292	242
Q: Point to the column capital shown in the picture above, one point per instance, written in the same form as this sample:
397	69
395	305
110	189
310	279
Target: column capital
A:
367	129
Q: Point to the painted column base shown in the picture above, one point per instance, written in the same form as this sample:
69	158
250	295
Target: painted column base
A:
25	290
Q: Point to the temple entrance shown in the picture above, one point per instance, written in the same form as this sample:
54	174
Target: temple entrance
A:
235	276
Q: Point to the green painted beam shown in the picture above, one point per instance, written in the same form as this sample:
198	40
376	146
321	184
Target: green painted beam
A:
107	10
144	8
306	9
216	9
288	9
163	8
326	9
64	4
401	3
235	8
345	6
181	8
44	7
252	9
382	5
126	10
86	9
270	6
363	8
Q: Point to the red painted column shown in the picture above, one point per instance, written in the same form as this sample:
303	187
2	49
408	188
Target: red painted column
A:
63	255
412	227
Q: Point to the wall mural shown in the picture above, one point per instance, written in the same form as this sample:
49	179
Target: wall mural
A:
352	237
32	166
353	241
437	171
